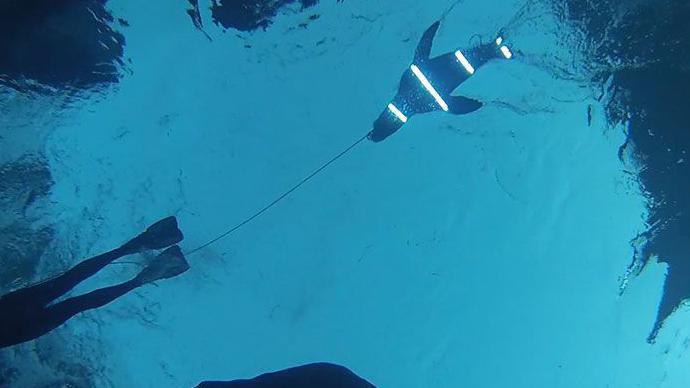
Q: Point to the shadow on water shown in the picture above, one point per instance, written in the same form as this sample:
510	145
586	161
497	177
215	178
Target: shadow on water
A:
641	50
49	45
249	15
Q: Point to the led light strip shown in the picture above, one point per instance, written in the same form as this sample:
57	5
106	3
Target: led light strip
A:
427	85
504	49
400	115
464	62
506	52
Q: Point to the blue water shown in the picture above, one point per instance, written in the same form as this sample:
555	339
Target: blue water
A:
484	250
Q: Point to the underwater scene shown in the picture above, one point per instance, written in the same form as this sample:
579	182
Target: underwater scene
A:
345	193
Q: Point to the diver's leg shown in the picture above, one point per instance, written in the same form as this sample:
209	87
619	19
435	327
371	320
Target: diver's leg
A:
159	235
49	290
167	264
31	322
58	313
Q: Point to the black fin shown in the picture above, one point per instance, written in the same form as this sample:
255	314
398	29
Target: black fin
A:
160	235
459	105
424	46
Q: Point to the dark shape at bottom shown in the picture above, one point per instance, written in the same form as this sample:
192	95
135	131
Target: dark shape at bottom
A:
317	375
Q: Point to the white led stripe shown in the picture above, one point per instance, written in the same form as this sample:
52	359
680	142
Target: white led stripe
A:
504	49
506	52
400	115
427	85
464	62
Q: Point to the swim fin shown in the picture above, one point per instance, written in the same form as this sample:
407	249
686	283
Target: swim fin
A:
158	236
169	263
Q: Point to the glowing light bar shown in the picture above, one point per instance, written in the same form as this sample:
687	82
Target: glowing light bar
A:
400	115
499	40
427	85
464	62
506	52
